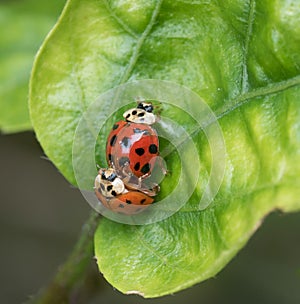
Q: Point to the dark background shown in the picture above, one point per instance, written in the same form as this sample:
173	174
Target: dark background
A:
41	216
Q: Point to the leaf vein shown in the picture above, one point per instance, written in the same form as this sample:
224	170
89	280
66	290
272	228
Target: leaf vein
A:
259	92
232	197
149	248
239	102
140	43
218	231
251	17
120	22
253	141
165	261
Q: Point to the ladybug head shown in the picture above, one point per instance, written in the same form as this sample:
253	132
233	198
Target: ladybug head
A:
108	183
141	114
108	174
147	106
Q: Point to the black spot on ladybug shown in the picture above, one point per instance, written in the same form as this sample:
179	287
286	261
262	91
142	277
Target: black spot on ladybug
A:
146	168
153	149
125	141
128	201
113	140
137	166
137	130
127	116
139	151
113	193
134	112
123	160
142	201
108	188
141	114
115	127
102	187
121	206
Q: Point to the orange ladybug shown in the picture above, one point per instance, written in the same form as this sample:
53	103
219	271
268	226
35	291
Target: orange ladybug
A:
113	195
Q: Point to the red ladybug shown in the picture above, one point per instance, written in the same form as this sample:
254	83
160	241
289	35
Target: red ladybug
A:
132	148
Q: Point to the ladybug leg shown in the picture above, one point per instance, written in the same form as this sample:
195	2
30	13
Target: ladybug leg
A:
151	192
144	176
161	164
126	170
152	188
137	183
140	181
158	108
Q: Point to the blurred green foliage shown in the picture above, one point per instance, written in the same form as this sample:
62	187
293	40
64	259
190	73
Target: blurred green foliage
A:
24	24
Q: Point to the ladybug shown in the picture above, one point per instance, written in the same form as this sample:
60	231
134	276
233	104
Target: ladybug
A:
133	150
141	114
107	190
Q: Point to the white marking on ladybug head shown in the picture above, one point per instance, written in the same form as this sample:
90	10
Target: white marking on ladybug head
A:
139	116
108	183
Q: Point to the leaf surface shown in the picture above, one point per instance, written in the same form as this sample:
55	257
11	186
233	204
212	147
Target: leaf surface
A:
243	59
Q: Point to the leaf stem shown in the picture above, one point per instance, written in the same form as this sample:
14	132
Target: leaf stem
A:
71	277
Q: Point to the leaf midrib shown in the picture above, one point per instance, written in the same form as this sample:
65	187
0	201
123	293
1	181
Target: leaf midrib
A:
140	43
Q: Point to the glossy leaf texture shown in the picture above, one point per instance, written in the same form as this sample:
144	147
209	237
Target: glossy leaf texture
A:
243	59
24	25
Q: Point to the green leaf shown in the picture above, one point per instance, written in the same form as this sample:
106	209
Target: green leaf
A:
243	59
23	24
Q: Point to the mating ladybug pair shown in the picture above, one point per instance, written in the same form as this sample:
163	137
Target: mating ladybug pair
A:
132	151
